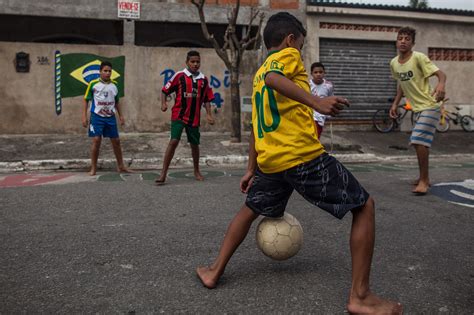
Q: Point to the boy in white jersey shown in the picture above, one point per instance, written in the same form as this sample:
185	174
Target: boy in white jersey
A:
282	111
322	88
103	95
412	70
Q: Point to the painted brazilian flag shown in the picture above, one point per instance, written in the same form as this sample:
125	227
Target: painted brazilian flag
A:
73	72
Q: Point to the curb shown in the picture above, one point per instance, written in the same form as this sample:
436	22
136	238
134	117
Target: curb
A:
212	161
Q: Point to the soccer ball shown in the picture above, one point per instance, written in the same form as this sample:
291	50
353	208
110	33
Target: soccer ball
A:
279	238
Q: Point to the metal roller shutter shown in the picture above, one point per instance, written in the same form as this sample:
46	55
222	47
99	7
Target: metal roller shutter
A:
360	71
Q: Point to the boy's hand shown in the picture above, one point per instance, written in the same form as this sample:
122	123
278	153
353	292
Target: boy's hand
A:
393	111
246	181
164	107
122	120
439	92
330	105
210	119
84	122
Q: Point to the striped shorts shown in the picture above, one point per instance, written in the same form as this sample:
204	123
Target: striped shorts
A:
425	127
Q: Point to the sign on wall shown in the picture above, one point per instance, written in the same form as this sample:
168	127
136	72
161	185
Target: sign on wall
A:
128	9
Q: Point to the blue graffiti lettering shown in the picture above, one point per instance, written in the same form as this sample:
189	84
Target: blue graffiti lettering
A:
168	73
215	82
226	78
218	100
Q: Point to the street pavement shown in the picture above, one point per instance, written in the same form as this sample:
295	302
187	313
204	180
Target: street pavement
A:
115	243
146	150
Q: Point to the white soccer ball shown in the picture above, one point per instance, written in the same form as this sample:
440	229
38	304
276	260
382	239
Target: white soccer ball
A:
280	238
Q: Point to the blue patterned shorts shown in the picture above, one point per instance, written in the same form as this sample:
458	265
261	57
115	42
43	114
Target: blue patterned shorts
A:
324	182
425	127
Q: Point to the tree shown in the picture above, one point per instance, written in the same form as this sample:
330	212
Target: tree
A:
419	4
232	52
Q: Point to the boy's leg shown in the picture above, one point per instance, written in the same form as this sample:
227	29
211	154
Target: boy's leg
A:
361	300
195	154
194	137
176	130
423	183
326	183
421	137
118	155
268	195
95	148
236	233
172	145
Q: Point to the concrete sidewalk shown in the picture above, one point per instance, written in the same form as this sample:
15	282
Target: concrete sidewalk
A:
146	150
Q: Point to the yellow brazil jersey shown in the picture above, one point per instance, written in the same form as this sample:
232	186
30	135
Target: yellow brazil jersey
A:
413	77
284	130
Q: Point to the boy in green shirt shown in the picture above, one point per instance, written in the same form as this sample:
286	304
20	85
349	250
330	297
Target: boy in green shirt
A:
412	70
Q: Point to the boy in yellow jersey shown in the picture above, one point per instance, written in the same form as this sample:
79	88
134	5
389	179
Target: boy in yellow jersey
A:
412	70
285	155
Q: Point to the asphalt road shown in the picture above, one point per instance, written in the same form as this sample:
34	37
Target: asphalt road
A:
122	245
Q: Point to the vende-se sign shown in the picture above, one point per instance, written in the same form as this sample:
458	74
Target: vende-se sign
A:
128	9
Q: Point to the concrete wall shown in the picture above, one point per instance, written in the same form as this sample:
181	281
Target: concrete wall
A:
28	100
433	30
28	103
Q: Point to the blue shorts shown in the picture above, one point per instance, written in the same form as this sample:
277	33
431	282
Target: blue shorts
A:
103	126
425	127
324	182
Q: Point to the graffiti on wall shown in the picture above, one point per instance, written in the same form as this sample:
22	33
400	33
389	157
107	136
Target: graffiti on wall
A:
218	84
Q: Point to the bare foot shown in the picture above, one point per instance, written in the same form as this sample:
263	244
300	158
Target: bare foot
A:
372	304
160	181
416	181
92	172
207	276
198	176
124	170
422	188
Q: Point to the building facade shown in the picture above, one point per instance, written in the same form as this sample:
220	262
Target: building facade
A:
355	42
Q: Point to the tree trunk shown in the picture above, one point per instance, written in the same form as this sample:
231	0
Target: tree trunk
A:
235	104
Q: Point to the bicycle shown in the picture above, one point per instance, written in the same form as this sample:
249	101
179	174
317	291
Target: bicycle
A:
384	123
466	121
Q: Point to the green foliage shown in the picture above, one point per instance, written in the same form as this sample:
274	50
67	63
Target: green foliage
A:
419	4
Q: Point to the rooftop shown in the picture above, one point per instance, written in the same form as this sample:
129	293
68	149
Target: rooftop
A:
333	3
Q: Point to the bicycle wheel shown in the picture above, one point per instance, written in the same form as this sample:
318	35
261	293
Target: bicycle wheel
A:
467	123
443	125
382	121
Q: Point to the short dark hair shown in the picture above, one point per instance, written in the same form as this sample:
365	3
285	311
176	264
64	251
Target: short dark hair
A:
279	26
192	53
316	65
105	64
408	31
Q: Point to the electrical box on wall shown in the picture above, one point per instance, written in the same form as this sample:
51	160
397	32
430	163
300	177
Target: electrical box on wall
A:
22	62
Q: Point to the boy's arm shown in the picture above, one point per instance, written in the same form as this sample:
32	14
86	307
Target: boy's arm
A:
164	105
396	101
247	179
85	101
329	105
85	106
440	92
119	112
209	117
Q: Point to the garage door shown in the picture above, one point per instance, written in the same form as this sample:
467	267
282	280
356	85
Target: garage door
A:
360	71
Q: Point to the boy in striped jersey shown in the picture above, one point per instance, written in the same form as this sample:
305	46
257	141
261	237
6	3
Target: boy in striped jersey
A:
412	70
192	90
103	95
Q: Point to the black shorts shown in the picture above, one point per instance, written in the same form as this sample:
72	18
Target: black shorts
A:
324	182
